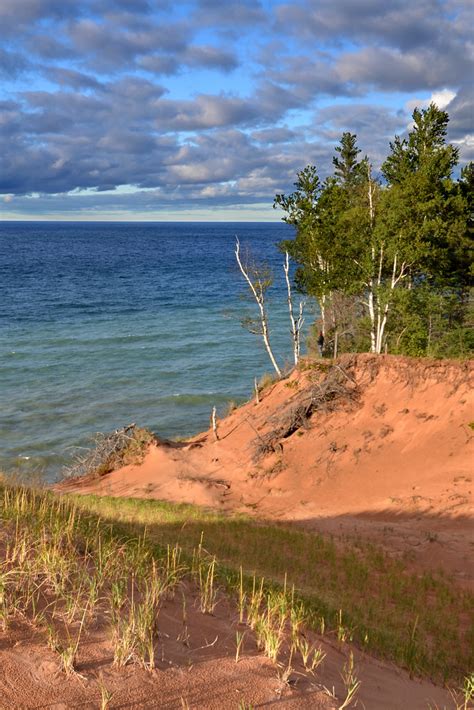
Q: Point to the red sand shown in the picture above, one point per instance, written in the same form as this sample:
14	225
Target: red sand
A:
201	672
394	467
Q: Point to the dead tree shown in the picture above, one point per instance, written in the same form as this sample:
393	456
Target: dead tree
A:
258	279
214	423
296	323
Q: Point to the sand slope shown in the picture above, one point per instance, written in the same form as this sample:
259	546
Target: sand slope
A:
198	672
391	459
388	458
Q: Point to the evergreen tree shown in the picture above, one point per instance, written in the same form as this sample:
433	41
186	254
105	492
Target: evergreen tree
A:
401	250
424	209
424	215
347	167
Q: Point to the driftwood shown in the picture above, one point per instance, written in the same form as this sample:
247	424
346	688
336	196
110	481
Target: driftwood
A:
108	452
322	396
206	480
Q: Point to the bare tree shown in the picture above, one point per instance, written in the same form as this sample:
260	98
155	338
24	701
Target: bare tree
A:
296	322
258	279
214	423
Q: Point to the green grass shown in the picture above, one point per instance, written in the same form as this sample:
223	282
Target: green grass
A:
61	568
422	622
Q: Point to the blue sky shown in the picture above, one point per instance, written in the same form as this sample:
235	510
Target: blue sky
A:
134	109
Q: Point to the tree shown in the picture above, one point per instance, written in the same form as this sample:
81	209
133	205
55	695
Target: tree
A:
296	322
402	249
424	216
466	186
347	167
310	248
259	279
319	246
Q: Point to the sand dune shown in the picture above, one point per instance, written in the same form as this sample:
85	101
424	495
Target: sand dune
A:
389	458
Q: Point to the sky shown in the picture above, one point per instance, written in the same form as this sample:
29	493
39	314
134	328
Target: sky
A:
204	110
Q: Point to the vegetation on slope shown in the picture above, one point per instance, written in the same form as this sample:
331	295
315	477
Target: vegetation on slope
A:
65	571
352	593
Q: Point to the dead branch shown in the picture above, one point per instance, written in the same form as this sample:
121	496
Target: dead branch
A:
206	480
109	452
258	281
323	396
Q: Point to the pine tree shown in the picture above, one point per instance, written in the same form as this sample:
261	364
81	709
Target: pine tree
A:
401	250
424	218
347	167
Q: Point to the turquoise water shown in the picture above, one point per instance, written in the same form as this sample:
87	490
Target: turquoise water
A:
104	324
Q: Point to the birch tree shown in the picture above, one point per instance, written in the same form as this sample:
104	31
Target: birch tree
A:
314	209
258	279
382	269
398	250
296	321
301	211
424	218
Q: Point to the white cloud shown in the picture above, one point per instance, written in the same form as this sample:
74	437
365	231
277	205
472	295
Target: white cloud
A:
441	98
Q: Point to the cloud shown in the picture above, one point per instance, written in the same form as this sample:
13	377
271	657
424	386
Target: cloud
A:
192	57
72	78
12	64
161	64
398	24
210	57
441	98
230	13
398	46
211	103
111	46
460	129
273	135
461	112
375	126
47	47
15	16
393	70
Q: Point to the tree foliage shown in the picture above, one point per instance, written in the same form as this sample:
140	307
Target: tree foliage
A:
397	252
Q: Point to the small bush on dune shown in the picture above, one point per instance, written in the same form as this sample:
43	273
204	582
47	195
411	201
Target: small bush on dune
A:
231	407
266	381
122	447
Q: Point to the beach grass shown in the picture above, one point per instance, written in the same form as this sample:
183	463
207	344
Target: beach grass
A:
66	560
352	591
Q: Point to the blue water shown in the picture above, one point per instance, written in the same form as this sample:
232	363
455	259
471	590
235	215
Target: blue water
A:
104	324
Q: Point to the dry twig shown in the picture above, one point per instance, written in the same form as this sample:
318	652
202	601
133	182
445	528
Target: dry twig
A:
319	396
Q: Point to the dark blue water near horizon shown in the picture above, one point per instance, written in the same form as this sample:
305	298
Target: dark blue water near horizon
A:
102	324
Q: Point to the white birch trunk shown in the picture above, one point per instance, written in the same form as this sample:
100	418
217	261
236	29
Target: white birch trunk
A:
322	307
259	297
378	303
370	305
299	325
396	277
296	323
214	423
323	267
373	337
